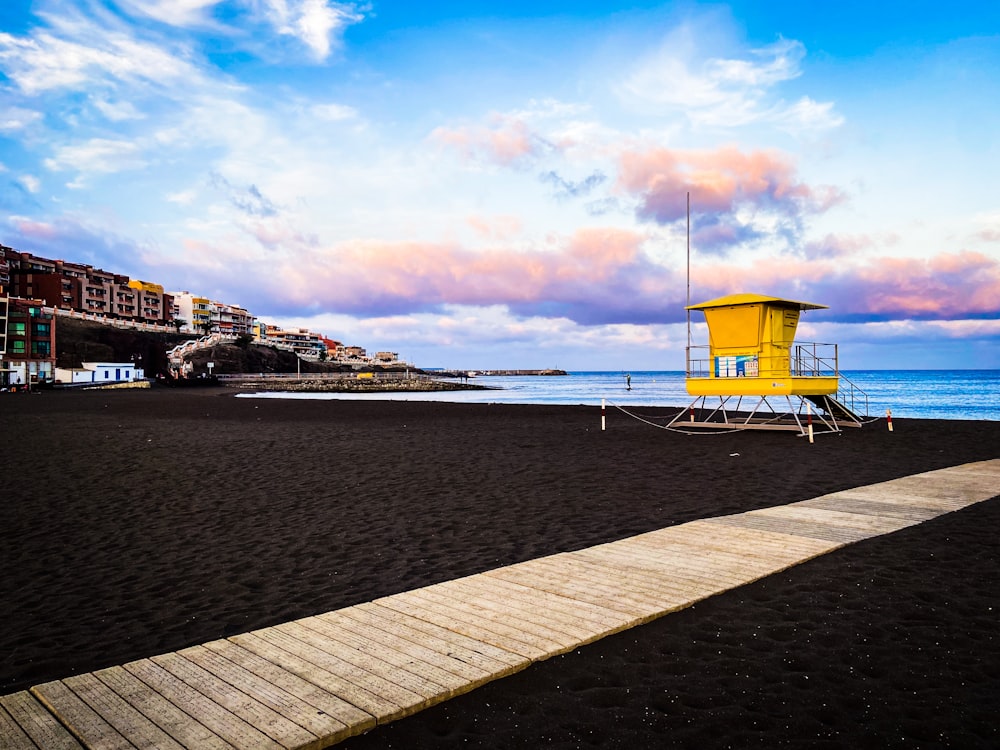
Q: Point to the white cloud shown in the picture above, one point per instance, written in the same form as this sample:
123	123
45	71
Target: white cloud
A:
17	118
313	22
183	197
46	62
31	183
118	111
725	92
174	12
98	155
334	112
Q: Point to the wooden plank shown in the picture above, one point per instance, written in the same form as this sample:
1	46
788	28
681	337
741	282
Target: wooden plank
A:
232	698
382	699
316	723
989	469
895	496
871	525
708	558
363	659
457	673
12	737
629	590
671	571
571	610
629	585
383	658
126	719
870	507
789	526
412	604
171	719
80	719
266	645
935	487
36	722
483	593
594	615
754	540
747	543
323	703
491	617
221	721
572	580
484	655
663	565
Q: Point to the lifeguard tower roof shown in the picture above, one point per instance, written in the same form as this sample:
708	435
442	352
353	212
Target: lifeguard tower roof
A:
753	299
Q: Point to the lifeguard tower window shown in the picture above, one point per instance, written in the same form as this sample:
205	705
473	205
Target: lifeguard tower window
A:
734	327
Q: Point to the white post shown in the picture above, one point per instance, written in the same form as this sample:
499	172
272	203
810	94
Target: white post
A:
809	419
602	415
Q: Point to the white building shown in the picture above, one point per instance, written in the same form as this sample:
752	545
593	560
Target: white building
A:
100	372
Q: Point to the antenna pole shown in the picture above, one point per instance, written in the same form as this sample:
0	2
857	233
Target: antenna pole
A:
688	311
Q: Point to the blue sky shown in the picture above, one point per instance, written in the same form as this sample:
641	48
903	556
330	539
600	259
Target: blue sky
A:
503	184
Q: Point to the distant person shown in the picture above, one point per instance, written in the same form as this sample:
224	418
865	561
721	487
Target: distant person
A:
628	381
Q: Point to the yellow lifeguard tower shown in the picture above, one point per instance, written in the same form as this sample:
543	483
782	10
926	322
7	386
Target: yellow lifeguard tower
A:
752	353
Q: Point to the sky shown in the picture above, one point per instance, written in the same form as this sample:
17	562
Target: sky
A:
505	185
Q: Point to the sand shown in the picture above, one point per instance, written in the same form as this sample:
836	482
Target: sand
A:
134	523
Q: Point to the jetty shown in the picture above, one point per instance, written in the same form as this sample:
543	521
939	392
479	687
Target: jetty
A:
516	373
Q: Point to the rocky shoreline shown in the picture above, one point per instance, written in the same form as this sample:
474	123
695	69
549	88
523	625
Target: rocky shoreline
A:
353	385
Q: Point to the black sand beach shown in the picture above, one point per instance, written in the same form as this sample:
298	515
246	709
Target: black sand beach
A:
134	523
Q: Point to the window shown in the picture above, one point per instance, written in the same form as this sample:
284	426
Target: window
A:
17	347
42	329
17	329
41	347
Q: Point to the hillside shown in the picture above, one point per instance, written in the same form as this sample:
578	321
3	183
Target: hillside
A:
79	341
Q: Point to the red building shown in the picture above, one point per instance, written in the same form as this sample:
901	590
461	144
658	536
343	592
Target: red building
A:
83	288
31	343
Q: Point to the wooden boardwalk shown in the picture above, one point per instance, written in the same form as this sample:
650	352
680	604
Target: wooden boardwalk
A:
313	682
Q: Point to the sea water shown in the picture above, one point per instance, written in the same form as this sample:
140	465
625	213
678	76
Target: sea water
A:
925	394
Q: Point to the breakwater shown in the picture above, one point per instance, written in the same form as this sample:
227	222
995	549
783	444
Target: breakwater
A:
494	373
345	383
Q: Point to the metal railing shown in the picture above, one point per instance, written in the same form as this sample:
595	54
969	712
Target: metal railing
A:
802	361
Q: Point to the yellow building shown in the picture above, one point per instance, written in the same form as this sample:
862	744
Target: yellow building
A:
752	351
752	354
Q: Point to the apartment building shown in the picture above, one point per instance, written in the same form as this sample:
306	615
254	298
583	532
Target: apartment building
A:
304	342
30	355
4	278
352	352
202	315
83	288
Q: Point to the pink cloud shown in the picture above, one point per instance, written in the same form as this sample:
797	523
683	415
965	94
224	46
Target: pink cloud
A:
505	140
948	286
720	181
593	274
34	229
945	286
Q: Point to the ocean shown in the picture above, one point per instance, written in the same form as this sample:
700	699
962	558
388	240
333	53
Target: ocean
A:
925	394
